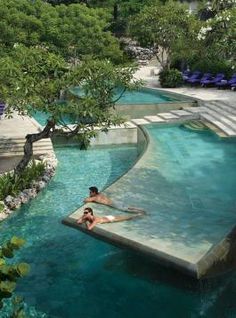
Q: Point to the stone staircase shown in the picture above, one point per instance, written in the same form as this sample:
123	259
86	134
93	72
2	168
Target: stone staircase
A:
222	115
216	114
11	147
190	113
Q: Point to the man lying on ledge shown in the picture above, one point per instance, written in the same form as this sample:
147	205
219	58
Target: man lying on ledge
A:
98	197
92	220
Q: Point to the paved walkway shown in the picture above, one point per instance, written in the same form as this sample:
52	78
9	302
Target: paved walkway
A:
18	126
149	75
12	140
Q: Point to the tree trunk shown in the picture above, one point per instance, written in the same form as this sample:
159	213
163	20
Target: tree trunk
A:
28	147
115	11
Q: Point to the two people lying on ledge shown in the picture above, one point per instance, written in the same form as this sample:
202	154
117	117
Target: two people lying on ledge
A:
91	220
98	197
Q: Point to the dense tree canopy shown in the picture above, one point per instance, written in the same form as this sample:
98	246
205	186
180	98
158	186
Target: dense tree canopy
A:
73	30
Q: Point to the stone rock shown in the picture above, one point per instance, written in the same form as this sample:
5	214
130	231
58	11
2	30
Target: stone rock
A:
8	199
46	178
41	185
23	197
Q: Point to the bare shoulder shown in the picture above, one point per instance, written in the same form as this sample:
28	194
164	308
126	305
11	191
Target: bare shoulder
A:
90	199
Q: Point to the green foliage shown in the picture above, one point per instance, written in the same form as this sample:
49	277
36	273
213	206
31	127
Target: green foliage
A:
170	78
163	26
72	31
218	32
1	207
212	66
10	273
11	184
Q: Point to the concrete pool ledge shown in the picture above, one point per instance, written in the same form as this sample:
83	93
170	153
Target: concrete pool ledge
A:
100	232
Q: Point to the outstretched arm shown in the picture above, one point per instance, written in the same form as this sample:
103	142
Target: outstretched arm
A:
89	199
81	220
91	225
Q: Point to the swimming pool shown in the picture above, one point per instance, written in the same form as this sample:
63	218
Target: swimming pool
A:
144	96
137	104
73	275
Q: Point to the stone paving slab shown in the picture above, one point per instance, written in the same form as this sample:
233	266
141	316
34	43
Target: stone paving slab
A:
181	113
139	121
168	116
154	119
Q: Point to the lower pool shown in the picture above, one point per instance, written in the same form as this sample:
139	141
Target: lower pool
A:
73	275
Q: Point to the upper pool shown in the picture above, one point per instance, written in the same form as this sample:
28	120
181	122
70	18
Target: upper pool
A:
136	104
144	96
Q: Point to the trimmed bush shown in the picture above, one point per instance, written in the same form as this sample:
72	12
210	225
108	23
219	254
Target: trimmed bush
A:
170	78
10	184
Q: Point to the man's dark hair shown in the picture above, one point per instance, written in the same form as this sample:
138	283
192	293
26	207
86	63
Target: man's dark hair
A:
90	210
94	189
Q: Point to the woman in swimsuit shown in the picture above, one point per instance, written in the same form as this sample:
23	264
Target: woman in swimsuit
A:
92	220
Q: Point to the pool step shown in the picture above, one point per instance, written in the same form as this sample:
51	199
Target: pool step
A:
218	123
168	116
182	113
224	115
224	106
154	119
11	147
195	110
140	121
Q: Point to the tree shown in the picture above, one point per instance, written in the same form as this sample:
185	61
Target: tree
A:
218	33
34	79
162	26
72	31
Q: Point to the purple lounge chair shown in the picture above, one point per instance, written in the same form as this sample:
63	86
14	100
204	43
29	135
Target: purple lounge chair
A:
206	76
225	83
213	81
196	75
186	74
2	108
233	86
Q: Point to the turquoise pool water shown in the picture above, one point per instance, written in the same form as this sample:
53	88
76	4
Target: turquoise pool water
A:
74	275
143	96
186	181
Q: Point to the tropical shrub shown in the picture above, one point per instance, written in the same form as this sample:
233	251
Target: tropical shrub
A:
2	206
10	273
11	184
170	78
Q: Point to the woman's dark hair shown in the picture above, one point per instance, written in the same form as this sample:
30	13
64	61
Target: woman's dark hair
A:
94	189
90	210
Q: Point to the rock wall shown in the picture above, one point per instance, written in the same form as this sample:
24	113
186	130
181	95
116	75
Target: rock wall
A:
141	54
11	203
